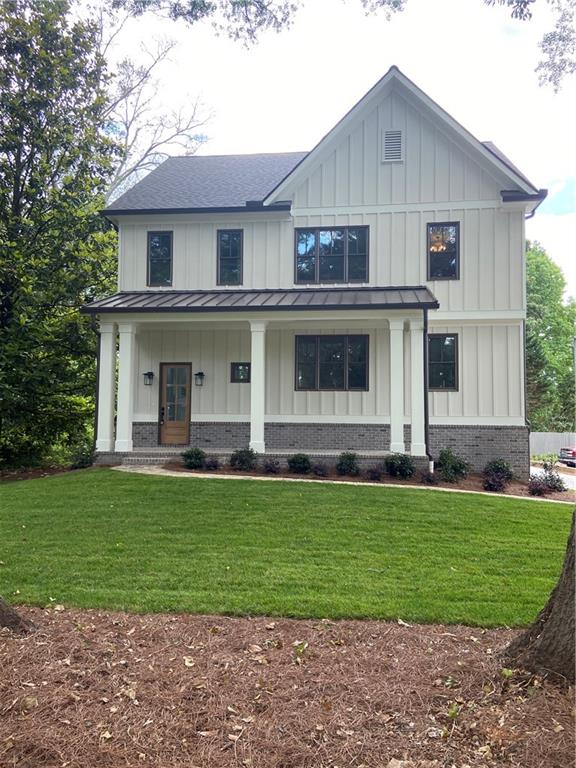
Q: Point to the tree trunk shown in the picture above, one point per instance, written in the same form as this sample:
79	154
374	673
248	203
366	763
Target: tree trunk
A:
548	645
12	619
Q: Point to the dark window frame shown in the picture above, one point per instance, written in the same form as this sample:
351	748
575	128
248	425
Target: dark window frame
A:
317	280
150	235
331	337
456	386
219	232
430	224
234	373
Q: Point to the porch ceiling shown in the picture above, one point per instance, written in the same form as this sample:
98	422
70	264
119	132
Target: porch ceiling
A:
393	297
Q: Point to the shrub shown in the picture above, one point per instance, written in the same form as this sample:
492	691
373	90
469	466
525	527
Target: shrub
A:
497	475
271	466
428	478
399	465
553	481
320	470
212	463
299	463
82	455
194	458
374	474
537	486
347	464
244	460
450	467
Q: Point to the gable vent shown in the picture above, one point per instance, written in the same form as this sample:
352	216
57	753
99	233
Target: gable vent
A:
393	147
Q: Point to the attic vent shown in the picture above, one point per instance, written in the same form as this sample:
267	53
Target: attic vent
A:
392	150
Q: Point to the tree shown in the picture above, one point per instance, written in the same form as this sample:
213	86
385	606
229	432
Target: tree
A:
548	645
245	19
550	327
55	251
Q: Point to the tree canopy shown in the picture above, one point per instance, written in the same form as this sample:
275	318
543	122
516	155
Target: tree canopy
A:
55	163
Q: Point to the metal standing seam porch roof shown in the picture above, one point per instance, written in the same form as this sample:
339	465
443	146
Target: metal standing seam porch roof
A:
294	299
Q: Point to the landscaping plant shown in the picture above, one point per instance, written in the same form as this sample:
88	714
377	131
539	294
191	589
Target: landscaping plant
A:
347	464
300	464
320	470
450	467
374	473
244	460
212	463
497	475
194	458
271	466
400	465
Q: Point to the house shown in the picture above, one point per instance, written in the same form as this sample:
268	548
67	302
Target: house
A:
367	295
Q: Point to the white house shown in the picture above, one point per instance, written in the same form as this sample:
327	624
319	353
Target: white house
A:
367	295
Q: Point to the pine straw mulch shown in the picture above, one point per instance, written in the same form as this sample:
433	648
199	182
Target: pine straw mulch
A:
95	689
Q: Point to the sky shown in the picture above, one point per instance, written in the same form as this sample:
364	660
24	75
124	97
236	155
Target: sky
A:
287	91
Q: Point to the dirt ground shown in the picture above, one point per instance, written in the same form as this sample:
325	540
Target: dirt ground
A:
94	689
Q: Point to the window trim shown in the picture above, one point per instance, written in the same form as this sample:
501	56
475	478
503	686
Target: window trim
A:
442	224
456	387
149	235
329	228
332	336
218	233
234	379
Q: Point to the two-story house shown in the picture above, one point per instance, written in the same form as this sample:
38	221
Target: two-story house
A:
368	295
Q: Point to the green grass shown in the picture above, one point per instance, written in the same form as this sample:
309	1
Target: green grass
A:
104	539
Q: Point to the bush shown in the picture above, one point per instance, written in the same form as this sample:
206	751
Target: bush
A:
271	466
374	474
244	460
194	458
451	468
537	486
553	481
347	464
82	453
212	463
300	464
320	470
400	465
428	478
497	475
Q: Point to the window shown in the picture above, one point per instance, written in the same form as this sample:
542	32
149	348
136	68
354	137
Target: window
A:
230	256
444	251
240	373
331	362
443	362
332	255
159	258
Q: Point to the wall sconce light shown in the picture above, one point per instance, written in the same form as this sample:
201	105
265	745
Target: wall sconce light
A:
148	378
199	378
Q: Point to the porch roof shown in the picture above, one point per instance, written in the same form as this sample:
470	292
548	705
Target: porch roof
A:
390	297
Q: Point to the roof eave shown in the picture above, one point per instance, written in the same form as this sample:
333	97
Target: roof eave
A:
107	212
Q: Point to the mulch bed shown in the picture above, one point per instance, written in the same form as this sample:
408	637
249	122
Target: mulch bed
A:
95	689
11	475
474	482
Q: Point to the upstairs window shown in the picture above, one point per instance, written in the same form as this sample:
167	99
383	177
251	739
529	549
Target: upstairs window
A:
332	255
230	246
444	251
159	272
443	362
332	362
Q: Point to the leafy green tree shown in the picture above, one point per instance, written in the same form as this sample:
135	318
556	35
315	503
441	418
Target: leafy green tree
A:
55	251
550	329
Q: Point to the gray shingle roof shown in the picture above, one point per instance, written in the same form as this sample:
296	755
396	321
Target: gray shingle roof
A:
209	181
397	297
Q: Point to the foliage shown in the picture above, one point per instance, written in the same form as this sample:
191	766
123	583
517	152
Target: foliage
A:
271	466
549	481
374	473
55	251
320	470
244	460
300	464
549	338
347	464
450	467
537	486
212	463
428	478
400	465
497	475
194	458
278	549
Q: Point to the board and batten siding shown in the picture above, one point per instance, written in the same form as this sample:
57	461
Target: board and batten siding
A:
490	376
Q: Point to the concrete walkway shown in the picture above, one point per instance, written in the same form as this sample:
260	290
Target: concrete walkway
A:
160	471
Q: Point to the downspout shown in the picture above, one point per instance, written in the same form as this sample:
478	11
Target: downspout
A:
94	327
426	409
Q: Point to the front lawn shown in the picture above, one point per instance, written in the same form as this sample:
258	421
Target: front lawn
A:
105	539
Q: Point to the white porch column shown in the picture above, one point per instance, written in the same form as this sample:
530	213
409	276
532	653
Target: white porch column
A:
257	385
106	388
397	386
418	441
126	332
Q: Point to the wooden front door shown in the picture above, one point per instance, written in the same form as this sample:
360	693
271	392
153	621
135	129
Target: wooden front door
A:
175	381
